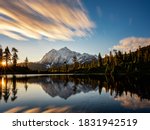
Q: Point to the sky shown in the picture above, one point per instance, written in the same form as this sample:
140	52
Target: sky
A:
35	27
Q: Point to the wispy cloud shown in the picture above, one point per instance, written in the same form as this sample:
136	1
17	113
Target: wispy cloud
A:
37	19
131	43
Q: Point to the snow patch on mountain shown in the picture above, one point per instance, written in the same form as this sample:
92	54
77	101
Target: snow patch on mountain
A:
65	55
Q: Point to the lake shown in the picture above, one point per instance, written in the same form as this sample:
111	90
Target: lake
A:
74	93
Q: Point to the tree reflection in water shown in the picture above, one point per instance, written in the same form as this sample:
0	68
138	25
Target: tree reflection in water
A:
65	86
6	90
14	89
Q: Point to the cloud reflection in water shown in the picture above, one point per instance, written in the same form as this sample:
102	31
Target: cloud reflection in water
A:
39	110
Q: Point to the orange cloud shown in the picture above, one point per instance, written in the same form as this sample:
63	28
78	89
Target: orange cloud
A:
132	43
54	20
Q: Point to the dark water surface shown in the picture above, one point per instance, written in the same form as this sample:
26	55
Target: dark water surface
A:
68	93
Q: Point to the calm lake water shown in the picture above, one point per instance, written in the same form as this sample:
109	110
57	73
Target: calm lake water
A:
70	93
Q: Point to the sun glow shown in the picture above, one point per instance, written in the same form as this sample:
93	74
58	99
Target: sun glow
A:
3	63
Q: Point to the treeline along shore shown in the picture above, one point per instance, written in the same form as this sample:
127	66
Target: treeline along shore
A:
116	63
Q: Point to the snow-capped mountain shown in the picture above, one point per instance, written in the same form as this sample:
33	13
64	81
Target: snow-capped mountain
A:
58	57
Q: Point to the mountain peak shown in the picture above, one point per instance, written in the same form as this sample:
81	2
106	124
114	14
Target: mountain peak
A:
64	49
58	57
53	50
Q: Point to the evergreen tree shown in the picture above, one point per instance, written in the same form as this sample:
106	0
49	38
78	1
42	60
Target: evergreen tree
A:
99	60
7	56
1	55
66	66
119	58
75	62
26	62
111	57
14	56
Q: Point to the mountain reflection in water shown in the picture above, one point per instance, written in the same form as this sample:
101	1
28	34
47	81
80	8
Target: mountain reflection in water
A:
74	93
